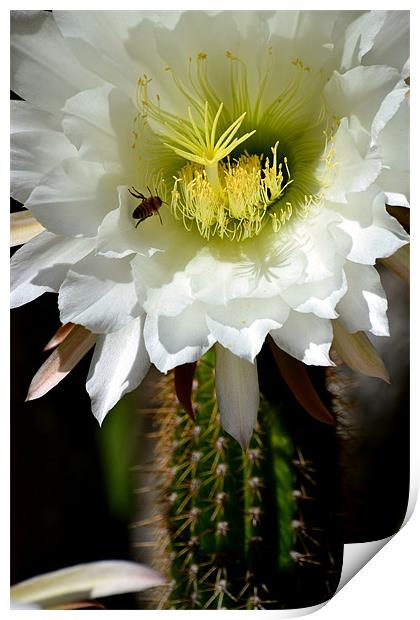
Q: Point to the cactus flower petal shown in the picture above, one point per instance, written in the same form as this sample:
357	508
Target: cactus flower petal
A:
297	379
184	375
238	394
23	228
119	364
61	361
399	263
59	336
92	580
358	353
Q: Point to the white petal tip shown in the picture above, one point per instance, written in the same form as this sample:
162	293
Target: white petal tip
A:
33	393
93	580
100	421
242	440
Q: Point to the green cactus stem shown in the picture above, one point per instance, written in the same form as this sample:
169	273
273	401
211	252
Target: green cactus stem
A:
231	524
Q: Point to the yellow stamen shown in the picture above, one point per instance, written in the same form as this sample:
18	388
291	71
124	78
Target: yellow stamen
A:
194	139
230	199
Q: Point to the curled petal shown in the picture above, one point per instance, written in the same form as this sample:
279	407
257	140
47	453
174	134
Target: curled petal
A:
364	306
23	228
306	337
399	263
297	379
354	173
92	580
41	265
171	341
61	361
358	353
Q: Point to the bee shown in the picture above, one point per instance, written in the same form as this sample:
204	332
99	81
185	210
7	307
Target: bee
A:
147	207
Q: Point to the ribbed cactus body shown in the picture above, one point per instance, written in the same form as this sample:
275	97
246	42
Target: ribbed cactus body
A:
228	513
236	529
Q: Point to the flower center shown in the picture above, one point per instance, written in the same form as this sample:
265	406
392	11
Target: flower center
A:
239	163
230	199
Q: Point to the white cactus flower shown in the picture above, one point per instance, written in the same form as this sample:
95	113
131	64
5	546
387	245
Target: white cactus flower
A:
209	179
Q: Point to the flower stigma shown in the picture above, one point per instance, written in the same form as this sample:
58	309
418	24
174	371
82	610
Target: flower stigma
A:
229	159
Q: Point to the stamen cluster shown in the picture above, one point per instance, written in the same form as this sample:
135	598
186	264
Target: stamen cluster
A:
236	206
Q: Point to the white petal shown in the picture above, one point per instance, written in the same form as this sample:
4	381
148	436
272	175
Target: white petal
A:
364	306
161	280
44	71
309	35
99	122
319	298
312	239
162	284
360	36
394	148
365	242
119	364
116	235
322	282
26	117
99	294
92	580
354	173
170	299
392	43
238	394
36	146
243	324
172	341
73	198
360	92
389	107
306	337
390	178
119	237
215	280
259	269
42	264
103	40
